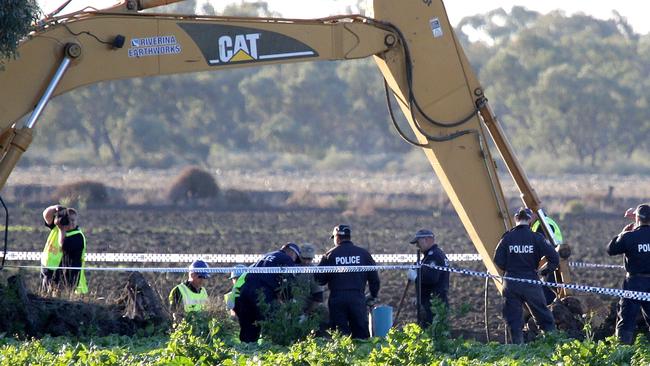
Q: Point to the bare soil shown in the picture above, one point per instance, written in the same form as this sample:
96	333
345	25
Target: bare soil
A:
202	230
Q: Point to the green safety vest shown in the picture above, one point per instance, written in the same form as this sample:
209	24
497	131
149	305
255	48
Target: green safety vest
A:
52	253
230	297
191	300
555	228
82	286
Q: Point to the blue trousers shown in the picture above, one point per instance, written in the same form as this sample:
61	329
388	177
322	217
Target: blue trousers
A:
348	313
629	309
518	293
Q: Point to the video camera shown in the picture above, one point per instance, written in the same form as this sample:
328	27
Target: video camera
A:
61	216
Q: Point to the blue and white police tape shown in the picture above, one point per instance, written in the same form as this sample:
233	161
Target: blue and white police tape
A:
634	295
271	270
251	258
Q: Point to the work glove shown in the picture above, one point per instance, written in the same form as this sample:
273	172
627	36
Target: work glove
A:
370	301
412	274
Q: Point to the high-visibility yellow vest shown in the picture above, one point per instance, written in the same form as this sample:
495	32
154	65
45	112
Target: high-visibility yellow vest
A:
230	297
52	253
82	285
191	300
557	234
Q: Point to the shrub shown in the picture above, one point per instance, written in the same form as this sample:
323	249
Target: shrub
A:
82	194
574	207
286	322
191	184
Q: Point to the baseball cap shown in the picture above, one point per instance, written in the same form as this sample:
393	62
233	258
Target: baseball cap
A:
424	233
341	230
308	251
292	246
524	213
197	266
238	271
643	211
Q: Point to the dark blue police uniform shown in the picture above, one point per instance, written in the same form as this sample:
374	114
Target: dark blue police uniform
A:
635	245
434	282
518	254
347	305
268	284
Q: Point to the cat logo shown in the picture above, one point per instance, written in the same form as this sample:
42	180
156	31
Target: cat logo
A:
223	45
242	48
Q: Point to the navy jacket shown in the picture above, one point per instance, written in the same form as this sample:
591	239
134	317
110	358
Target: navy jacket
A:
348	254
635	245
269	282
520	250
434	281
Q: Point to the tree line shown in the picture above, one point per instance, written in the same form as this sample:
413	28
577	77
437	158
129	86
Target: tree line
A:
570	91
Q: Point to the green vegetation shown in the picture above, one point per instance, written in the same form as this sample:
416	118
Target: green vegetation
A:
571	92
16	17
207	343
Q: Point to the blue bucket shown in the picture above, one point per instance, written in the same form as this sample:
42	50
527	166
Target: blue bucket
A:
381	320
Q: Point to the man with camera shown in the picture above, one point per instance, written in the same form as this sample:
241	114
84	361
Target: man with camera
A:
65	247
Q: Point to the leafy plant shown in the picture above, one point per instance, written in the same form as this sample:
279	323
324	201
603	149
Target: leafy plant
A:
286	321
16	18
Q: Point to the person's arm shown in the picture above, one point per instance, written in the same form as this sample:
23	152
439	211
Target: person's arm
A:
431	276
500	255
373	279
48	215
617	245
322	278
175	301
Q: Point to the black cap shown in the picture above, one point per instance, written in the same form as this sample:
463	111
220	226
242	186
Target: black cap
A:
341	230
424	233
294	247
524	213
643	212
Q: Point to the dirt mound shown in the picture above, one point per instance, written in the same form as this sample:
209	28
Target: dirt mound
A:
28	315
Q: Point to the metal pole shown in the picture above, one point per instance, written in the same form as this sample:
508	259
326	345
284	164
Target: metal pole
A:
418	288
48	92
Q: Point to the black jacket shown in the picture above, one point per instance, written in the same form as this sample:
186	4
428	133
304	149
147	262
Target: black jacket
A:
635	245
348	254
434	281
520	250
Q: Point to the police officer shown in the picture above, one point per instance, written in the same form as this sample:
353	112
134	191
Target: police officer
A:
518	254
536	226
431	282
190	296
347	303
634	243
237	278
269	284
316	292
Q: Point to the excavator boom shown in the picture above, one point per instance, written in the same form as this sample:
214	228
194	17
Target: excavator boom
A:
412	43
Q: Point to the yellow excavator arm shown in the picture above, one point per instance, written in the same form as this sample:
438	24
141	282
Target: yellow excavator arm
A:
412	43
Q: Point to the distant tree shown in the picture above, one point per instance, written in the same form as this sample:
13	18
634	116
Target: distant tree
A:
16	18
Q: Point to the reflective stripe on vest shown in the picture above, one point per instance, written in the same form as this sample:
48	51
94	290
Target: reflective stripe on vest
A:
557	233
191	300
52	253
